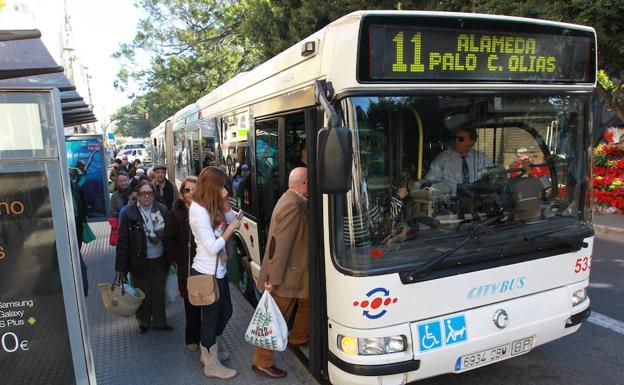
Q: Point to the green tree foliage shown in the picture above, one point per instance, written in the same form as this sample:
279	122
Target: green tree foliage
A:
196	45
131	120
193	47
274	25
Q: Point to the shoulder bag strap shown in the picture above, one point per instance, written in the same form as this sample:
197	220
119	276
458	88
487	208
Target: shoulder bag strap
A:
190	261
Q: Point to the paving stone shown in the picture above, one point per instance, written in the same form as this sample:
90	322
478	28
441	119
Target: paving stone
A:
122	356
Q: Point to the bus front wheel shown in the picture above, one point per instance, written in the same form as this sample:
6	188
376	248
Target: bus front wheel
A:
246	283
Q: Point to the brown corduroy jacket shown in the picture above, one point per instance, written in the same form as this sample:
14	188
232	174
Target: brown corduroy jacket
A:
287	256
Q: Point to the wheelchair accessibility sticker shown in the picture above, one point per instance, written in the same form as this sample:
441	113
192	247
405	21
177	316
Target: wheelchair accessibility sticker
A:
448	331
430	336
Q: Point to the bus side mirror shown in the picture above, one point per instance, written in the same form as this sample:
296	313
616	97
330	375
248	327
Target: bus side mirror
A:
334	158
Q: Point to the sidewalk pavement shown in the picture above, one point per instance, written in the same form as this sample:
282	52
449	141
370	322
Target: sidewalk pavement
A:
608	224
122	356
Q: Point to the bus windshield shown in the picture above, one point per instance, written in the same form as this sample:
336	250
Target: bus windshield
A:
430	171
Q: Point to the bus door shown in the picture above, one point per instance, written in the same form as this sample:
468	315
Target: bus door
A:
279	147
268	185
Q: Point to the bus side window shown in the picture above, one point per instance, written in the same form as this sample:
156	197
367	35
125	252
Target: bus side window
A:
296	154
241	178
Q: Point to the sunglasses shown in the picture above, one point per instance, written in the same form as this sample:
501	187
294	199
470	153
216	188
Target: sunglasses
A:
458	138
188	190
146	193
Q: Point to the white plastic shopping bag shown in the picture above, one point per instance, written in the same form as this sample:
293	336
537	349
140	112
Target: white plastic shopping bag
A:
267	328
171	286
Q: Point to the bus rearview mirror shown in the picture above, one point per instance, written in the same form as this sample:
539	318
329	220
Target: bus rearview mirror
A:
334	158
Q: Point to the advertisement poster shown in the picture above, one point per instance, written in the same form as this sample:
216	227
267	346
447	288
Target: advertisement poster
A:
34	340
87	167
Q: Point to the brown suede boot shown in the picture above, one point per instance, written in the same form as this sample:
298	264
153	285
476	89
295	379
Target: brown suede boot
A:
212	365
204	354
223	355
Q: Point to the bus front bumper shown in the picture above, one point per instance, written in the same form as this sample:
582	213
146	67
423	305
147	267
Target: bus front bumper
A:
530	318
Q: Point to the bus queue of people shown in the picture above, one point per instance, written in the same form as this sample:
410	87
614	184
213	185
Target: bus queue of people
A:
156	230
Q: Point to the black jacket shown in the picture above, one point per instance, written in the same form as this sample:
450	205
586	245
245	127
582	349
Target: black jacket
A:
176	238
167	196
132	243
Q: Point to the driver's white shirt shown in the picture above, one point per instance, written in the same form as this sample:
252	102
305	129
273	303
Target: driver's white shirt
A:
447	167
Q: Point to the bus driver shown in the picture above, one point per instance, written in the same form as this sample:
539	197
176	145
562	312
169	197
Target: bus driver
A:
459	164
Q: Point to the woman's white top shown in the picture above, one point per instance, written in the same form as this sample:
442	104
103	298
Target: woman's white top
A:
209	242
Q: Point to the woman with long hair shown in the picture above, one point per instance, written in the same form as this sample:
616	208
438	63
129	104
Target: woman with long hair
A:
177	239
212	223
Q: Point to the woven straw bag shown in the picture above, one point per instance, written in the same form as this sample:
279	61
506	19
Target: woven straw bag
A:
117	301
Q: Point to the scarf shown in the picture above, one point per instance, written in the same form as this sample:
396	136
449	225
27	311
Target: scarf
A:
153	222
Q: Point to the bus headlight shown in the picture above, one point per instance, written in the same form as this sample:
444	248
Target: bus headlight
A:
579	296
348	345
372	346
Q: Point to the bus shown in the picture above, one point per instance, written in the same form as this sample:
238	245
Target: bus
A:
157	144
188	153
411	277
162	146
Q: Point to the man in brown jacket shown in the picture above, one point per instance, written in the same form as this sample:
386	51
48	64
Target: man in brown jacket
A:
284	271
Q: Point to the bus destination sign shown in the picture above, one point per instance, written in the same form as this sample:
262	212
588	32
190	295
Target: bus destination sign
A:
410	53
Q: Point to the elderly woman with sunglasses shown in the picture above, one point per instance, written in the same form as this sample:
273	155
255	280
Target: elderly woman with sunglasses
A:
141	252
177	238
460	163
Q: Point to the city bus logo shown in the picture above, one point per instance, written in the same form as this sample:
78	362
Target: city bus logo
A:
377	299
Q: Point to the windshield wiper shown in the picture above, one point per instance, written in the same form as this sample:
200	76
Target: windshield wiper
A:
437	260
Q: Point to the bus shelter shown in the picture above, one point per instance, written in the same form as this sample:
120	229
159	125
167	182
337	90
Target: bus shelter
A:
43	332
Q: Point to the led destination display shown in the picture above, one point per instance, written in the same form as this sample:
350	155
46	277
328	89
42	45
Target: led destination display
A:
425	53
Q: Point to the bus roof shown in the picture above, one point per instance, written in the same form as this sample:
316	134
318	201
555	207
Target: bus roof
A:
335	59
160	129
185	116
360	14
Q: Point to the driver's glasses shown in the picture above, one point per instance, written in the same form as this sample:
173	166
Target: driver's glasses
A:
458	138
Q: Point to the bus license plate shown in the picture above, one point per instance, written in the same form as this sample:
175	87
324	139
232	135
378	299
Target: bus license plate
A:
498	353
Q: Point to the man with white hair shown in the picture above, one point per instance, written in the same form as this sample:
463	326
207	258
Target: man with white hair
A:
125	166
285	266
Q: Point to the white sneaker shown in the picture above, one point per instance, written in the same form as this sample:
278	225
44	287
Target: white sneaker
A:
192	347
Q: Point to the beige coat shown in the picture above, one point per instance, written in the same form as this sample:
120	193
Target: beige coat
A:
287	256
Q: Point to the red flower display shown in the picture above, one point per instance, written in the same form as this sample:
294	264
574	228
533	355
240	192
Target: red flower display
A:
608	180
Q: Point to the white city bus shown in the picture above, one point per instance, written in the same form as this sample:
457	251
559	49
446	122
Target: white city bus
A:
157	144
452	277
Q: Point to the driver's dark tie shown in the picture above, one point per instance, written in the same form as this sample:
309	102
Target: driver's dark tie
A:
465	171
